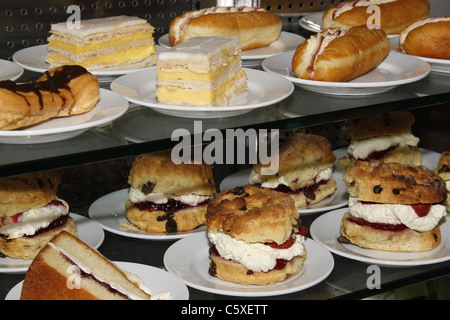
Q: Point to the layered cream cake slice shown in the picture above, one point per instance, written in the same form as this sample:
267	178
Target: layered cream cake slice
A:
201	72
102	42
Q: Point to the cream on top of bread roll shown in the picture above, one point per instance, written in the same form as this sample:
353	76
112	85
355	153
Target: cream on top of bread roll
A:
136	196
34	219
254	256
362	148
348	5
417	24
255	178
398	214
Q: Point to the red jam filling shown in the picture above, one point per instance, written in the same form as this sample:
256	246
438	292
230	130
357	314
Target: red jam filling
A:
421	209
309	190
170	206
377	155
377	225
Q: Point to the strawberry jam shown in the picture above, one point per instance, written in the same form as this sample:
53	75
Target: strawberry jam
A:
421	209
377	225
308	190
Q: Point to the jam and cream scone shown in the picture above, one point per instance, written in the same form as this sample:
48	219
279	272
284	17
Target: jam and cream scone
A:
385	137
443	170
393	207
168	197
256	237
31	213
305	169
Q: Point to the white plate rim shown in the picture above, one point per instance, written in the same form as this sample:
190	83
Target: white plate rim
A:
310	21
331	221
119	85
316	208
108	100
110	221
39	53
85	233
141	270
252	54
353	84
14	70
197	246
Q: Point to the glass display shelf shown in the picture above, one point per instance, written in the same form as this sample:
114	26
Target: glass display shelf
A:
142	129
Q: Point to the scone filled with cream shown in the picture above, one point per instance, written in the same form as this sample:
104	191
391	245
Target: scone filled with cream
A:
31	213
443	170
393	207
168	197
387	137
305	169
255	235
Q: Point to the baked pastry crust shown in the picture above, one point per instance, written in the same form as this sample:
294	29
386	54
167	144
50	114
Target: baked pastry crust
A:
60	92
228	270
346	57
168	177
443	170
253	214
406	240
33	190
395	15
382	182
431	40
28	247
254	29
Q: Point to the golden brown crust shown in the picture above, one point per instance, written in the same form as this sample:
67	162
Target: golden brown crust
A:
28	247
161	222
391	183
395	15
168	177
253	29
232	271
443	169
253	214
34	190
431	40
323	191
346	57
62	91
406	240
391	123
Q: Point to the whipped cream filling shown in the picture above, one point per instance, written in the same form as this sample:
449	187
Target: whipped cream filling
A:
32	220
397	214
362	148
136	196
218	9
340	9
256	179
417	24
257	257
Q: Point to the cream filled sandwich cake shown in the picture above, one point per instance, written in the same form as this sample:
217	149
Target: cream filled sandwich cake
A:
443	171
168	197
102	42
201	72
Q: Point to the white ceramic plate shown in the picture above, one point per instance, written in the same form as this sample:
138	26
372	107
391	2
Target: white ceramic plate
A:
33	59
325	230
110	107
188	259
429	158
10	70
263	89
312	22
109	212
156	279
337	200
438	65
286	42
88	231
397	69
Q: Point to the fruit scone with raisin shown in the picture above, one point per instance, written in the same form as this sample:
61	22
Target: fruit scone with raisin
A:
168	197
256	236
393	207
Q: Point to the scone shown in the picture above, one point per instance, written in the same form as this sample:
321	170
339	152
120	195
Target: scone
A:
168	197
31	214
256	237
385	137
305	169
443	170
393	207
